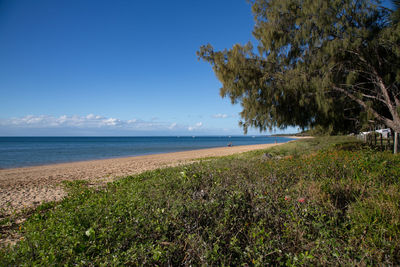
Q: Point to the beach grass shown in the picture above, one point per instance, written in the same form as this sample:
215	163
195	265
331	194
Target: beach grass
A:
319	201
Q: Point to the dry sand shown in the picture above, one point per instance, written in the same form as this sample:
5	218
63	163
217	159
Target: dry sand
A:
30	186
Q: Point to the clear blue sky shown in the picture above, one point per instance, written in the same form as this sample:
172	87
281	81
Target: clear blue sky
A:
80	67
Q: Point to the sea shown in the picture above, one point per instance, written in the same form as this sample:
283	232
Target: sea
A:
34	151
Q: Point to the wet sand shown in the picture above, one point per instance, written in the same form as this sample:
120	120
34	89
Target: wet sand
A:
30	186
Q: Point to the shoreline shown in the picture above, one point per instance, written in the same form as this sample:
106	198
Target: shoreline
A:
42	164
25	187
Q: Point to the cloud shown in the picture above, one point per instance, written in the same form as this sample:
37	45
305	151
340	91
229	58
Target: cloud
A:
95	125
74	121
195	127
220	116
172	126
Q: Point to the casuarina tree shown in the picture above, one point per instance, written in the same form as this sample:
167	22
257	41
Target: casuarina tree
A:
334	64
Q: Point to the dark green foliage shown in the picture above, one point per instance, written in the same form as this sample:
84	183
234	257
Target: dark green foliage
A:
338	205
333	64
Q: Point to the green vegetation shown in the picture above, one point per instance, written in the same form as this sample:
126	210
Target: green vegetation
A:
322	201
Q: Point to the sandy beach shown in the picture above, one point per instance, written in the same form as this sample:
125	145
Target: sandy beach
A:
30	186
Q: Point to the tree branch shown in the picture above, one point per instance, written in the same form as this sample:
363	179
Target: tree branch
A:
365	89
383	119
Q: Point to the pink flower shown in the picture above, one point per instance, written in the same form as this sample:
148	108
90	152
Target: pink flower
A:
301	200
287	198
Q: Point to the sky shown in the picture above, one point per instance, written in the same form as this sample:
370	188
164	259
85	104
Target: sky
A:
106	67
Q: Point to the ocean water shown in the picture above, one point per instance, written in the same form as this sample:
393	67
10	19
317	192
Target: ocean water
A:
32	151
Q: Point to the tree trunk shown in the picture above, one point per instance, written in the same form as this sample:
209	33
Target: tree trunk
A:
395	143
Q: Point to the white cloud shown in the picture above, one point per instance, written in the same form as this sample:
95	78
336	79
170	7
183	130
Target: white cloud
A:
90	116
92	124
195	127
172	126
111	122
220	116
47	121
62	119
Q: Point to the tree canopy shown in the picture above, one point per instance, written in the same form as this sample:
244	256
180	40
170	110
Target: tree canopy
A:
333	64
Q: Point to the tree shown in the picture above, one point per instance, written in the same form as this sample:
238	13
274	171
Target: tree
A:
334	64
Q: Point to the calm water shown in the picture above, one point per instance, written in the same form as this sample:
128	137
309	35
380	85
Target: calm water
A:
31	151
